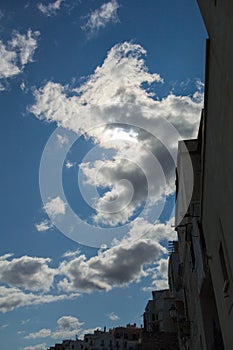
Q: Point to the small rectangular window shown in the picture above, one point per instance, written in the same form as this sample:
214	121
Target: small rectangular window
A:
192	254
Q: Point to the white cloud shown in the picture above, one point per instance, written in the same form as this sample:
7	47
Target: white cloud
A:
43	333
27	272
23	86
114	94
69	164
62	140
71	254
67	327
159	275
119	265
12	298
8	66
23	322
101	17
4	326
50	9
155	231
144	143
161	284
36	347
113	317
128	260
6	256
54	207
25	45
43	226
67	322
17	53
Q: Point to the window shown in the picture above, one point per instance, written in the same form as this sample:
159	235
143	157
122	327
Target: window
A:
192	253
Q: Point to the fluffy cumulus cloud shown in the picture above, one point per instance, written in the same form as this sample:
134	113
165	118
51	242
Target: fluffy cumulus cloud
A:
51	9
158	274
119	203
30	273
121	264
67	327
128	260
124	115
27	281
55	206
118	108
101	17
16	53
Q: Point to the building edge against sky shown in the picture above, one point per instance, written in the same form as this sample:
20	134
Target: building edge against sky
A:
217	188
205	272
201	263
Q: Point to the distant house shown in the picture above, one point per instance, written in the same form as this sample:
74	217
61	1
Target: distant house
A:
119	338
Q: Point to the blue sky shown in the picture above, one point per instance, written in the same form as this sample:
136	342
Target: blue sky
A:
94	97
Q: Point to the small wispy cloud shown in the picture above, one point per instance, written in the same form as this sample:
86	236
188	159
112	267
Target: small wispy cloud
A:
23	322
36	347
4	326
13	298
102	16
62	140
113	317
69	164
25	44
71	254
43	333
50	9
43	226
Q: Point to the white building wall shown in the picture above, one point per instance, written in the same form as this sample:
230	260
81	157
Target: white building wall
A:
217	195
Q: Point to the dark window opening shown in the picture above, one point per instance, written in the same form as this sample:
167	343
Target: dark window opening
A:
192	254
